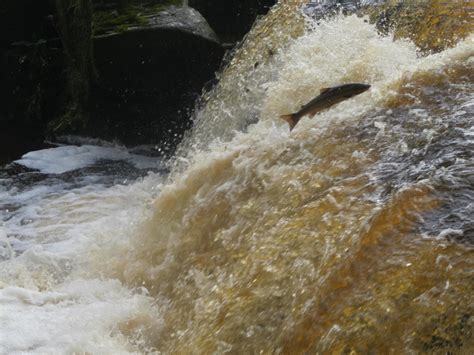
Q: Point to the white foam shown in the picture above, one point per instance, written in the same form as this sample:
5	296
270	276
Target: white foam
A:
68	158
83	316
47	304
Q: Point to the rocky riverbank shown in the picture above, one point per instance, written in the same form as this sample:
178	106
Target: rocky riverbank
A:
150	61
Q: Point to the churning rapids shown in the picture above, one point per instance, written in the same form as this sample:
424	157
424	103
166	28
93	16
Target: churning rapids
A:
353	233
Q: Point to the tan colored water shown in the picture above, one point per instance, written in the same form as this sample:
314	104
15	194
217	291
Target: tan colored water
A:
314	241
350	235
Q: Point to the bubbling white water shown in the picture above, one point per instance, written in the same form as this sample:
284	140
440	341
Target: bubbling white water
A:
48	302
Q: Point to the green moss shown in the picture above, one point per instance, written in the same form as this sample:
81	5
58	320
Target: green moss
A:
114	19
160	6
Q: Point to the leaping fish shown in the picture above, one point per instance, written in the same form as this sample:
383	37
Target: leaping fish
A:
327	98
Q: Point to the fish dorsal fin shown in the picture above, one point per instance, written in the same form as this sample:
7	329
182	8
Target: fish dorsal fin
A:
323	90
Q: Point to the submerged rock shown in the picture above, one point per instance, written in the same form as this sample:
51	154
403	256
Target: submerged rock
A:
318	10
432	25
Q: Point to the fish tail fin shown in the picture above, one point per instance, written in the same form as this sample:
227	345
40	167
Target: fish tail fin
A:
291	119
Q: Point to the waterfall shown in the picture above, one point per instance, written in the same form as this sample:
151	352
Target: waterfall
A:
350	234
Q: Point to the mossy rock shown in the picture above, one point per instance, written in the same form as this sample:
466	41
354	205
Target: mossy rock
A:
433	25
112	17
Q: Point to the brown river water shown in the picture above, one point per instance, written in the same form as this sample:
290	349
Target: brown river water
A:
353	234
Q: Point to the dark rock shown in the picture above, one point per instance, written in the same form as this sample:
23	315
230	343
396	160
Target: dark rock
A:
150	77
185	19
16	140
231	19
31	84
25	75
25	20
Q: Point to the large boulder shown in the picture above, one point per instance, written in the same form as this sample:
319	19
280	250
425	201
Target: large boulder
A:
151	75
231	19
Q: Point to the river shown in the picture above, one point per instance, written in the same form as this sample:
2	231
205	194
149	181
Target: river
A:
353	233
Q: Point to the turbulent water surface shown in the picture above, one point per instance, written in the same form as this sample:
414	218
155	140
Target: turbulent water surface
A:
352	233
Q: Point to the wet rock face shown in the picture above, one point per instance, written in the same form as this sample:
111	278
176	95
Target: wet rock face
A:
184	19
328	8
231	19
151	75
149	79
150	72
